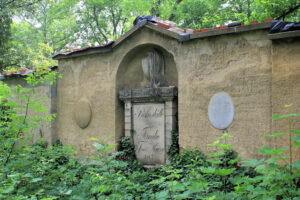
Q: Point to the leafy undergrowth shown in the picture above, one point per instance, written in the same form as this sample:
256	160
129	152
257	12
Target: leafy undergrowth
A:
41	172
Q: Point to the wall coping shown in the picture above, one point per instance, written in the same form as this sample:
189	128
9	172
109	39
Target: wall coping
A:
180	37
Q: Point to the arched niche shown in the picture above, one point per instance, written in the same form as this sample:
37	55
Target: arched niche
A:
130	76
130	73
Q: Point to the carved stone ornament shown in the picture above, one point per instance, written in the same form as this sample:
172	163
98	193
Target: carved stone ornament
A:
154	69
82	113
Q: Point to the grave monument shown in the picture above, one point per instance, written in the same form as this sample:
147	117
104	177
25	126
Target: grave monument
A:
150	112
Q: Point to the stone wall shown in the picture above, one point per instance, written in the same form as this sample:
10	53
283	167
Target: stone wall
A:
248	66
46	94
239	65
90	79
285	86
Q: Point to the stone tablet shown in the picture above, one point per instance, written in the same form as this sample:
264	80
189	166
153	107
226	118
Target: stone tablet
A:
149	133
220	110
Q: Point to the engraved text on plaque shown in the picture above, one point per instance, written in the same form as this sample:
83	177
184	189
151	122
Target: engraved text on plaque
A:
149	132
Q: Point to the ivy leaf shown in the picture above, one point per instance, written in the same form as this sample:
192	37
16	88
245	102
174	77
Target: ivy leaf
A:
296	164
197	186
215	143
98	145
224	136
176	186
275	159
272	151
241	189
276	134
216	162
217	154
162	194
36	180
224	172
295	131
211	198
252	162
207	170
239	180
69	192
260	168
276	116
234	161
225	146
8	190
184	195
297	141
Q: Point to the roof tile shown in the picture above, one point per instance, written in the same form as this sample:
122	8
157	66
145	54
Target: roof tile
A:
205	29
268	20
176	30
254	22
164	25
188	30
223	27
171	26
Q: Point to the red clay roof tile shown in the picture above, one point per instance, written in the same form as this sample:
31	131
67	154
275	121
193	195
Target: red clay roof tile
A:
268	20
254	22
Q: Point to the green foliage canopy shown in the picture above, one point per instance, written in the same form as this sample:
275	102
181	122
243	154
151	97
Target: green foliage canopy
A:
32	30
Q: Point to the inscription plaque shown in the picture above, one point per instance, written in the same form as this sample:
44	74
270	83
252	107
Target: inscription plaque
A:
220	110
149	132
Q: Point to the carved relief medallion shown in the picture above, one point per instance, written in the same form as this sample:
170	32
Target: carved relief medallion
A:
82	113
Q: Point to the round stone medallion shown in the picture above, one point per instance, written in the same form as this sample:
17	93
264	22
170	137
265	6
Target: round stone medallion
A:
220	110
82	113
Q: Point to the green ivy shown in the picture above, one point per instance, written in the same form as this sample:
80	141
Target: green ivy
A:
174	148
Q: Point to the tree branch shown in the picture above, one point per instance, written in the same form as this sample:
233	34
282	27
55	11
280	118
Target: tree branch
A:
172	16
288	12
18	134
98	25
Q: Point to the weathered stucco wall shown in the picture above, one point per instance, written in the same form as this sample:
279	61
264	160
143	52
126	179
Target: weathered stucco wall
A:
285	87
239	64
87	78
97	79
46	94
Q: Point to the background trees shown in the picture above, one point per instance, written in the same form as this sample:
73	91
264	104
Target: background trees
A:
32	30
8	10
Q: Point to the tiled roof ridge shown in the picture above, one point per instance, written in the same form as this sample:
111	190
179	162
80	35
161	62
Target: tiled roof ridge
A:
168	25
23	72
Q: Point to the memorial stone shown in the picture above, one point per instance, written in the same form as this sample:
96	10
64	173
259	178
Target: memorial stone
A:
221	110
150	113
149	137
